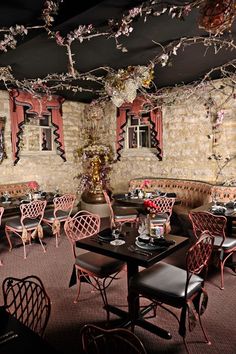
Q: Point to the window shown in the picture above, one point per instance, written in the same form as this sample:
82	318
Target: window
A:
37	133
138	133
139	129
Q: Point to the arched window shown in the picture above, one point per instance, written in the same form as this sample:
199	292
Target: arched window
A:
139	127
42	120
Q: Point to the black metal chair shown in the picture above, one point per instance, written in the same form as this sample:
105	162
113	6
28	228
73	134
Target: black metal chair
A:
98	270
27	300
96	340
165	284
216	224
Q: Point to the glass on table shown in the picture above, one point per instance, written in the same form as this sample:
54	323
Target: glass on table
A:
116	231
6	196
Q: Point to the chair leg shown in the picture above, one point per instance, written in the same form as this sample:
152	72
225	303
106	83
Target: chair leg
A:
56	235
41	243
79	286
203	330
24	249
222	264
8	239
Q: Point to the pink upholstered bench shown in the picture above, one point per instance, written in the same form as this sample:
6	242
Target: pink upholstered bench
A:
18	189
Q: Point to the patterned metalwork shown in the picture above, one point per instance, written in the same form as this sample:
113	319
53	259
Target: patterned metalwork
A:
122	219
85	224
1	212
34	211
63	203
199	254
216	224
27	300
197	260
96	340
164	205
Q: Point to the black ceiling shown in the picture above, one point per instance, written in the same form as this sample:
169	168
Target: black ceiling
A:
37	55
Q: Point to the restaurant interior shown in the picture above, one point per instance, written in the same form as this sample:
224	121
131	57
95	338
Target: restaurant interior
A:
118	176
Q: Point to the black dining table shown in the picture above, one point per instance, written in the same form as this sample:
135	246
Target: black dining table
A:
134	260
17	338
12	206
135	202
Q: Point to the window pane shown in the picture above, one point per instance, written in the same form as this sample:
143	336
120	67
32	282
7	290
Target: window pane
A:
134	121
132	138
144	136
46	139
44	121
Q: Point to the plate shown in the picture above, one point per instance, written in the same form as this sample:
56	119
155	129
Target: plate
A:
148	246
218	209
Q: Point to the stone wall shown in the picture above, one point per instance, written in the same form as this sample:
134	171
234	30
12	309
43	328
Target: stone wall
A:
48	170
187	146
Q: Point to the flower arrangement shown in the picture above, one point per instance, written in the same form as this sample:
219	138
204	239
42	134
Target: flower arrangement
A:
33	185
151	206
96	160
145	184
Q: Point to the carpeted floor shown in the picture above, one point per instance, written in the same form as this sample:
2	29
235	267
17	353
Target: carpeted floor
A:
63	332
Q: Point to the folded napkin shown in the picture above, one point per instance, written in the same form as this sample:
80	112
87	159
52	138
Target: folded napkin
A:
163	242
106	234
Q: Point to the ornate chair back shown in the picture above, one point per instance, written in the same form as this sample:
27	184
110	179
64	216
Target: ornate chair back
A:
198	256
27	300
97	340
64	203
203	220
32	210
164	205
81	225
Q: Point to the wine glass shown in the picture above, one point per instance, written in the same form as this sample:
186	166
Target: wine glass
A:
116	233
6	196
214	199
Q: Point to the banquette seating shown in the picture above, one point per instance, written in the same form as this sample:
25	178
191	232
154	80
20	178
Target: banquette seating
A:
191	194
18	189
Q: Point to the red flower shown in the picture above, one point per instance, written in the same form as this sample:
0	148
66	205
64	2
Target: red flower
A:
33	185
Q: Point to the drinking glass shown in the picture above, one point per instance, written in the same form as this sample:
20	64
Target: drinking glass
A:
6	196
116	233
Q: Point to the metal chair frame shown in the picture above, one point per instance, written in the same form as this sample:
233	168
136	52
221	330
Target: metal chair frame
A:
62	203
122	220
1	213
164	205
216	224
81	225
197	260
33	210
27	300
102	341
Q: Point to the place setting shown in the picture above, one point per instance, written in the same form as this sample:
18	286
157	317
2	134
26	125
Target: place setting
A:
152	240
113	236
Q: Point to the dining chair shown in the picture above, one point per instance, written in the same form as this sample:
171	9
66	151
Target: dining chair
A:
27	300
98	270
97	340
163	206
216	224
62	209
1	212
28	225
120	216
169	287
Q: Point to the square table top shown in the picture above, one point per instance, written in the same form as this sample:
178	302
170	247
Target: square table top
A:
123	253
